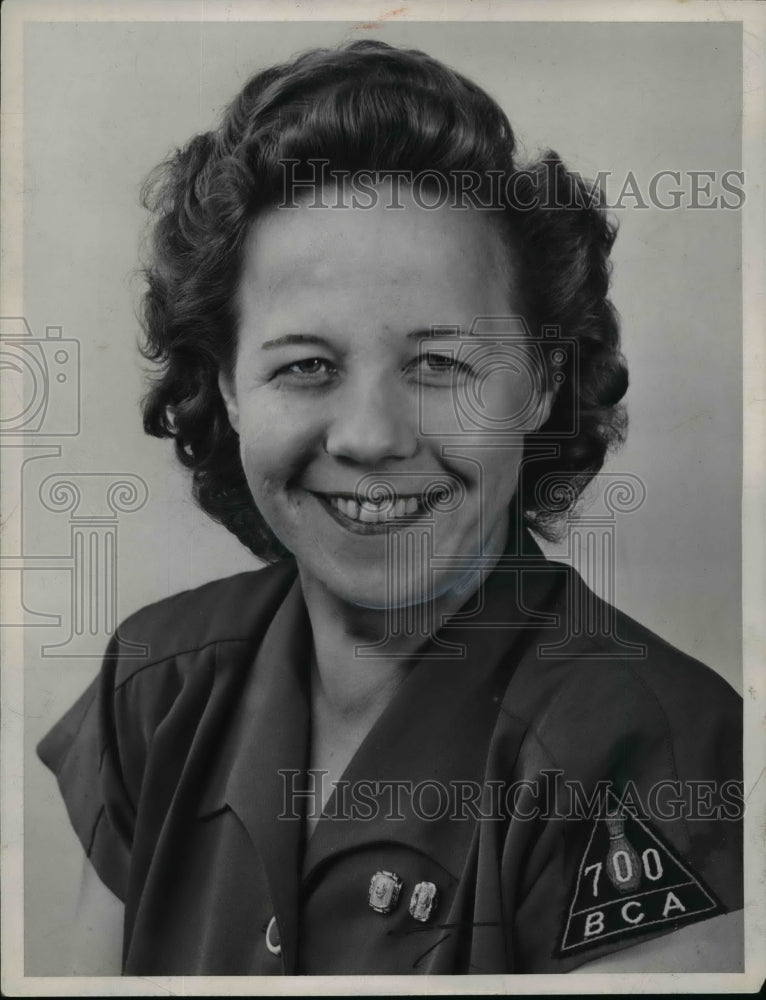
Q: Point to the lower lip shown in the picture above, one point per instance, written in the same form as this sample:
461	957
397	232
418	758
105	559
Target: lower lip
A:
366	528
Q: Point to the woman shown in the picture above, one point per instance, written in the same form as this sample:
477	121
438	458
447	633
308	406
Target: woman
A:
393	750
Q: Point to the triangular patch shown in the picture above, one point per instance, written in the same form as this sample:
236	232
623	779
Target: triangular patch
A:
628	882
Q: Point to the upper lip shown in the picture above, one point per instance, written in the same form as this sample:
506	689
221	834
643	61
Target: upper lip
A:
356	495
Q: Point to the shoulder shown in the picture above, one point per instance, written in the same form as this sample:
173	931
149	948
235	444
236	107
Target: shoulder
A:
595	651
598	672
230	609
173	662
170	677
167	669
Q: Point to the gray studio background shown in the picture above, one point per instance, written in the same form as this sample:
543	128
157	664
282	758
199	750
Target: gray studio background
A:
104	103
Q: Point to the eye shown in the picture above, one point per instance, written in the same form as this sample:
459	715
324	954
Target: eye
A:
307	370
440	362
435	367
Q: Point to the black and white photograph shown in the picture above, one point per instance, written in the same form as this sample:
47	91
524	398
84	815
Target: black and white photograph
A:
383	497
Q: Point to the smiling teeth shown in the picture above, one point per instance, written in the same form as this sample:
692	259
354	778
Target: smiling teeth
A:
370	512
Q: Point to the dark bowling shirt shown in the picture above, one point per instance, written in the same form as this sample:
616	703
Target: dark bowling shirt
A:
536	794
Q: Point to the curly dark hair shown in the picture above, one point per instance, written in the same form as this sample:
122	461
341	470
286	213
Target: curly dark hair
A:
367	106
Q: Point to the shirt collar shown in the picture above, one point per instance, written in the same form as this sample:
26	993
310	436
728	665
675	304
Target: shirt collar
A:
438	724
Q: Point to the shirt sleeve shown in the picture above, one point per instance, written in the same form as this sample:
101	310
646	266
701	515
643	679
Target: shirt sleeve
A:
82	752
636	827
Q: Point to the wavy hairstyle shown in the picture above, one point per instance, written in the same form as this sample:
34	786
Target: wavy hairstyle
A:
367	106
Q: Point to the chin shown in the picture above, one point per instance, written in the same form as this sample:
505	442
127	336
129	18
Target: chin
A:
372	590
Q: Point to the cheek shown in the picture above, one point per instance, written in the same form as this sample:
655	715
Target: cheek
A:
274	448
440	413
493	472
509	400
500	400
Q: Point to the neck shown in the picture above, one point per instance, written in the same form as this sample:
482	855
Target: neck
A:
351	678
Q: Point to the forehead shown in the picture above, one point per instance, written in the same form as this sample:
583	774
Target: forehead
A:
399	250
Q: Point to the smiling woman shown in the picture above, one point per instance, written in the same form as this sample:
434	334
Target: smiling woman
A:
397	749
346	398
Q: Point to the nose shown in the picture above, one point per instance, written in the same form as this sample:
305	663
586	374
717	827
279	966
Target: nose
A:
372	424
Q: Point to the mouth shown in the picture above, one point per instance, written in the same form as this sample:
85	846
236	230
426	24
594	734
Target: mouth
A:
364	515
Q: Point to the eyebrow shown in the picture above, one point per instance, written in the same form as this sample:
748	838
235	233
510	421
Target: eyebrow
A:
294	338
433	332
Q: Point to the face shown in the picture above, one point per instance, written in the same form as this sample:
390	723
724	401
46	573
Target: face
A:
349	373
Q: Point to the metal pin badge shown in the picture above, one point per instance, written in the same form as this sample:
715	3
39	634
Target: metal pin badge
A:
423	901
384	891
